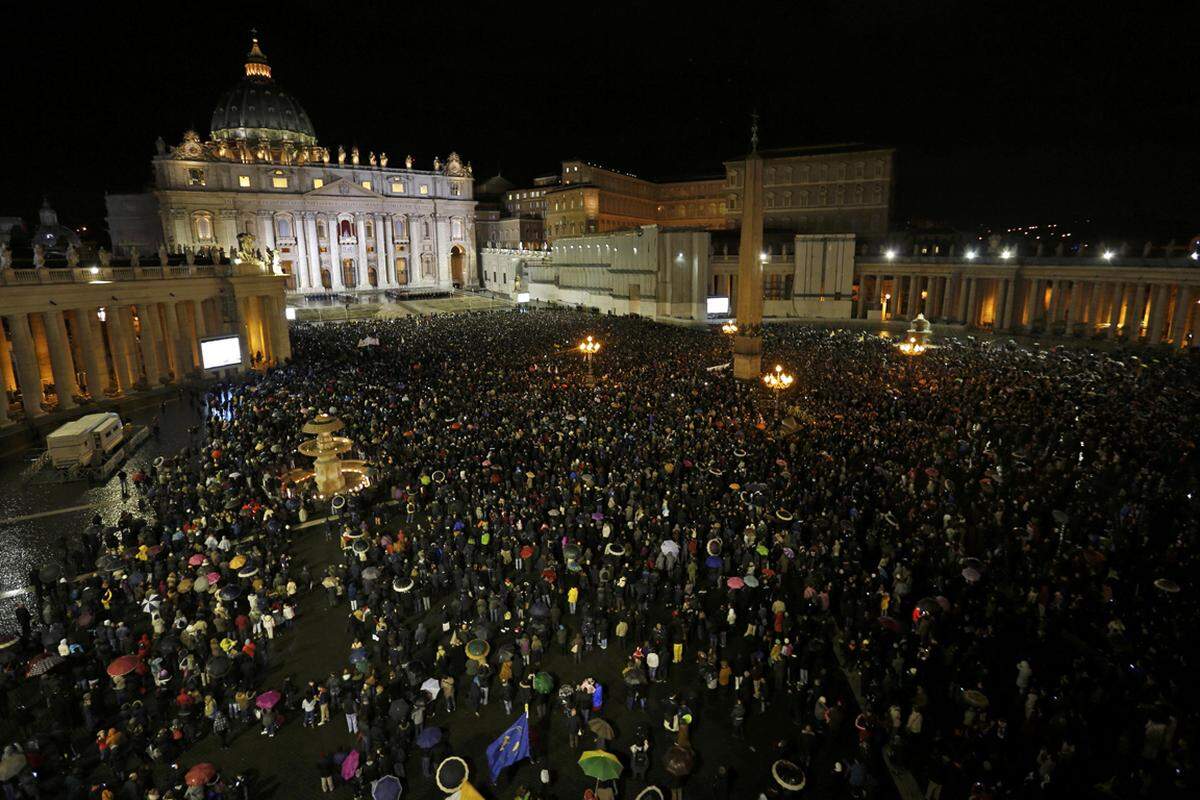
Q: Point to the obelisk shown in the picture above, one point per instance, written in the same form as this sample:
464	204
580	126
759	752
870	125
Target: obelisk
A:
747	343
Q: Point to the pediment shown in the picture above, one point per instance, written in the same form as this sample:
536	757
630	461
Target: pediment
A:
342	188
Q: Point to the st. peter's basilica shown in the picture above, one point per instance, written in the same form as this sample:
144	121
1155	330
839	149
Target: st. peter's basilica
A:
340	221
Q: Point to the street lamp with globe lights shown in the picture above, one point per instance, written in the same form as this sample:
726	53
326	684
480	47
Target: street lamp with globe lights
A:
777	381
589	347
730	329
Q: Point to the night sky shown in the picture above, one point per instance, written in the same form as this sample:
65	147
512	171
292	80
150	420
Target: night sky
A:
1004	117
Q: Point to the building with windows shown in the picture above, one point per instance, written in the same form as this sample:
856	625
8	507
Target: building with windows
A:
845	188
340	222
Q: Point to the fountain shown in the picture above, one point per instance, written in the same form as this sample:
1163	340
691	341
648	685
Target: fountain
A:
331	473
916	340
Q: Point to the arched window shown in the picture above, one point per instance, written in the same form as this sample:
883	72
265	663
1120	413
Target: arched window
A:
202	226
345	229
456	228
401	228
283	227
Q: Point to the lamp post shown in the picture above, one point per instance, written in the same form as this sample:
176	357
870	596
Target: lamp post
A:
589	347
777	381
883	315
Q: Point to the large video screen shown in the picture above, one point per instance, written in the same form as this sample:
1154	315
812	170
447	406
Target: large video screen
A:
718	305
223	352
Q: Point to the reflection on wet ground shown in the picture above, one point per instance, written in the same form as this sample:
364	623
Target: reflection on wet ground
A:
25	544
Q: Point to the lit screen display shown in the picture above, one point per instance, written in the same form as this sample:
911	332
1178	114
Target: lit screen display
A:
718	305
223	352
290	312
522	297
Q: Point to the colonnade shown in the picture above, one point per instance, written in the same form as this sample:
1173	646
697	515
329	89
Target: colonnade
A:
88	351
1147	306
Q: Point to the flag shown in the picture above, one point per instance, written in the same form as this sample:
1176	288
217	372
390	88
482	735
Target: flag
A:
509	747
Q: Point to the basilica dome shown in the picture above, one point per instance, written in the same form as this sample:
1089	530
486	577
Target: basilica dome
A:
258	109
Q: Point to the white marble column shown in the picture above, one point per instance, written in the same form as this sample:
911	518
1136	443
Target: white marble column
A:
276	324
314	251
1114	313
124	358
389	252
972	299
62	363
179	339
29	375
1133	320
360	230
243	331
1161	295
335	253
1184	299
266	226
300	264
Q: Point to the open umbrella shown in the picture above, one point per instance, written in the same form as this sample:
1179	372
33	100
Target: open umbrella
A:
42	663
267	699
601	728
970	574
196	560
361	545
477	649
200	585
526	552
735	583
50	573
713	562
679	761
600	764
108	563
402	585
237	562
889	623
230	593
386	788
1166	585
151	603
750	581
200	774
762	550
350	765
218	666
975	698
432	687
248	571
123	665
428	737
11	765
670	548
543	683
451	774
788	775
633	676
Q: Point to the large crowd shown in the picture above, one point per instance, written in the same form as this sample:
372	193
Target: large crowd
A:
972	565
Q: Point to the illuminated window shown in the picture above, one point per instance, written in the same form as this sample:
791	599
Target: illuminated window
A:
456	190
318	183
244	181
202	226
284	226
397	187
456	228
366	184
279	180
424	188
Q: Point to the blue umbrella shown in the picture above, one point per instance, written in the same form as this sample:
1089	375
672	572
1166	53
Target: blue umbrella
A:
429	737
386	788
713	562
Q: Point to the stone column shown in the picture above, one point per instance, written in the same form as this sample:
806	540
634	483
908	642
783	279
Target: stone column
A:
314	251
1010	287
281	346
91	349
62	363
972	299
151	338
1158	310
243	331
1183	307
8	378
4	420
1094	304
1135	315
360	228
966	285
125	366
266	226
1114	314
335	254
29	374
227	229
859	309
300	265
389	249
180	338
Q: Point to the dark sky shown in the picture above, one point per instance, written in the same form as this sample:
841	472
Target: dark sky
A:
1015	115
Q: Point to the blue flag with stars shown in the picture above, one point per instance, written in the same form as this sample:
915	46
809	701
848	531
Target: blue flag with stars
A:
510	746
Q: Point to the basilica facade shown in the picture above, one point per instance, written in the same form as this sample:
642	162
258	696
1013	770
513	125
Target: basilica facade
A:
328	222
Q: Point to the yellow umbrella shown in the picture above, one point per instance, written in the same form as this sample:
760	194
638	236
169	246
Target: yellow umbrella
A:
238	562
600	764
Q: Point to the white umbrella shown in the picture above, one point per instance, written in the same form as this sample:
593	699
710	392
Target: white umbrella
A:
432	686
670	548
151	603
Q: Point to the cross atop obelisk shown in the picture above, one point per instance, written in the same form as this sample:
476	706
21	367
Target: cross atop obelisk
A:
747	344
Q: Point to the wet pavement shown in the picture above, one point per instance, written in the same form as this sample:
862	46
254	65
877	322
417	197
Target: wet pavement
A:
36	514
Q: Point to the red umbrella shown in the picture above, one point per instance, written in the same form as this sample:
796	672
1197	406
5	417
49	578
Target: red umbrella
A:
526	552
123	666
267	699
350	765
890	624
196	560
735	583
200	774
